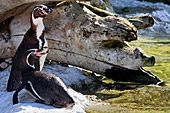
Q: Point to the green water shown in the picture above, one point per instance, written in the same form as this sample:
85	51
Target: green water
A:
146	99
160	48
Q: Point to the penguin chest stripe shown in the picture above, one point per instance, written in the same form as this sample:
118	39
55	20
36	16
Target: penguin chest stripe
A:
45	43
28	62
39	33
40	43
35	91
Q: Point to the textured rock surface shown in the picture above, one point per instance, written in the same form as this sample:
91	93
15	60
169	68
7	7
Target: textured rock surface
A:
139	21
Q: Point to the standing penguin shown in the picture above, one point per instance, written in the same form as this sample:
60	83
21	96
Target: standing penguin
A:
45	87
33	39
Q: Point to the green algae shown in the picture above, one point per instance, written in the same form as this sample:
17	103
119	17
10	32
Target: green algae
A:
160	48
145	99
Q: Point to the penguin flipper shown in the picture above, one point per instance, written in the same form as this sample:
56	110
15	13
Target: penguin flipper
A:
14	80
12	85
15	95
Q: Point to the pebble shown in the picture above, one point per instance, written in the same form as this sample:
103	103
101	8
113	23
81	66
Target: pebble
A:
8	60
3	65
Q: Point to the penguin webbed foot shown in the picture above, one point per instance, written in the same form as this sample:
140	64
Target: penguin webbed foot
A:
40	101
15	95
15	98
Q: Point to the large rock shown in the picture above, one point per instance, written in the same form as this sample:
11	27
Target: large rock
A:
77	38
80	38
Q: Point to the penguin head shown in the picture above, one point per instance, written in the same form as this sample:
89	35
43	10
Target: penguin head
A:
41	11
33	55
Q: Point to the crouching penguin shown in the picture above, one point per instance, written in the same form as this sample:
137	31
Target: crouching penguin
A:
45	87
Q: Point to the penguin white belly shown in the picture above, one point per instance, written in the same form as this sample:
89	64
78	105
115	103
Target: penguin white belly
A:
39	32
42	58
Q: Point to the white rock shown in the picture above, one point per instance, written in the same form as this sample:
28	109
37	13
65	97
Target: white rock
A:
9	60
3	65
69	75
26	102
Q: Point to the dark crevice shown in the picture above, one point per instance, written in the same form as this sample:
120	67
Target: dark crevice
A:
5	32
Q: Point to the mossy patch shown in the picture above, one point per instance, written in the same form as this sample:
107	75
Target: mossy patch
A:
146	99
160	48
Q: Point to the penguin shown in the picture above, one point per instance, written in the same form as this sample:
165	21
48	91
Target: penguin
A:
33	39
45	87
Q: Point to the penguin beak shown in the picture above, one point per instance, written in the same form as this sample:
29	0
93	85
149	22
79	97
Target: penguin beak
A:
45	11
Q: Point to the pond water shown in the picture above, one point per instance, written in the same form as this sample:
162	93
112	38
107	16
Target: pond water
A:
159	46
141	98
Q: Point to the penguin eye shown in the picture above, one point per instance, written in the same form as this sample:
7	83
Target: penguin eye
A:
35	9
40	6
